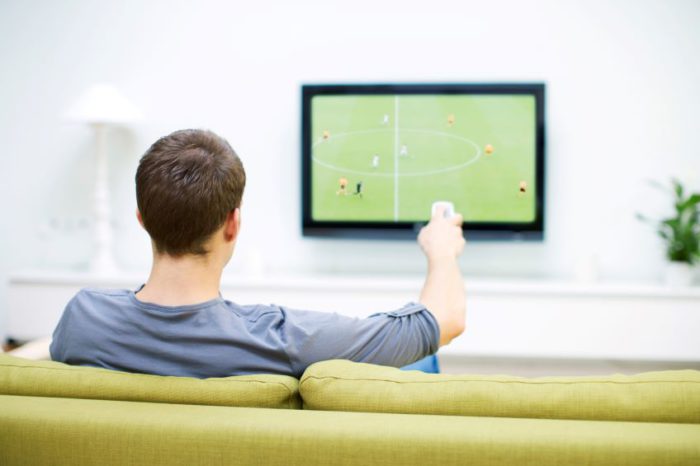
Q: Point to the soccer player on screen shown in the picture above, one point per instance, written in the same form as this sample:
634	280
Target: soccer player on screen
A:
404	150
450	120
342	183
375	161
326	134
523	188
358	189
385	119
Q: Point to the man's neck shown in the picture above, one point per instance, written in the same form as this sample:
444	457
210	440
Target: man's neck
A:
181	281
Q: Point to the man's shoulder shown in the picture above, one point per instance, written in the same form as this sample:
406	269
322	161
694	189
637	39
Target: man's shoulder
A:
113	292
101	293
254	312
90	296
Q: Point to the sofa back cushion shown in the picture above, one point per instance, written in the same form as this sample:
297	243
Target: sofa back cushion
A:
668	396
52	379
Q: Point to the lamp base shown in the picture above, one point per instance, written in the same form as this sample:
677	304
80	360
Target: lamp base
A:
103	264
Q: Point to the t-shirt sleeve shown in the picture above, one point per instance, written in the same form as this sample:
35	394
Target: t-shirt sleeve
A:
61	334
395	338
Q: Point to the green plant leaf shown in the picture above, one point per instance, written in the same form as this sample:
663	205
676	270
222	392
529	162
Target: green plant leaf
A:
657	185
677	187
673	222
690	203
681	232
642	218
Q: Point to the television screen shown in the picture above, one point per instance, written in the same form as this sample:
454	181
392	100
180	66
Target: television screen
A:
376	157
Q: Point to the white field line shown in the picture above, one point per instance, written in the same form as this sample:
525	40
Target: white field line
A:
396	158
350	133
437	171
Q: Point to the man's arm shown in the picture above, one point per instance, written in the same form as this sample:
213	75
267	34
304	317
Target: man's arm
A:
36	349
394	338
443	294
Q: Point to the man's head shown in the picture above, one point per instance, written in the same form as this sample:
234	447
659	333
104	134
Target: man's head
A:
189	185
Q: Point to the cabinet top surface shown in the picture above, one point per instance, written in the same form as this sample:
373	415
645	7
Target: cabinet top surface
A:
370	283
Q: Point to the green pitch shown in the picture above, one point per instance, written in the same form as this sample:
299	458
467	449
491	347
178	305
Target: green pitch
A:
411	150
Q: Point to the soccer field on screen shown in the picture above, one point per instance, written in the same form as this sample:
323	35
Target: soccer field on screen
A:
407	151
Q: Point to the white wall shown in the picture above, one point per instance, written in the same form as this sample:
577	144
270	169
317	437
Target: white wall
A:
623	106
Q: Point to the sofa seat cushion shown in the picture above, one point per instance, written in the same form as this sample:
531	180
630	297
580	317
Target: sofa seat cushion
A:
55	431
667	396
53	379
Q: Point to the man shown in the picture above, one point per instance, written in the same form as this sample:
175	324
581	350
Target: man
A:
358	189
189	187
342	186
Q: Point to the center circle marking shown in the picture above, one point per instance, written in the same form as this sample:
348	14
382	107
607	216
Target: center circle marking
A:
459	166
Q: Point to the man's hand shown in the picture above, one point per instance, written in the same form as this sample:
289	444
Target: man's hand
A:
442	238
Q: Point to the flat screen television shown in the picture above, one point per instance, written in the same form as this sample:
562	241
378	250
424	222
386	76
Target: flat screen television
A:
376	157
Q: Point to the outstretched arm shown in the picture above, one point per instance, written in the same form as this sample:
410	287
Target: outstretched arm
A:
443	293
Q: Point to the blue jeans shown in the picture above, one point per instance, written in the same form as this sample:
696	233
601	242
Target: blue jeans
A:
428	364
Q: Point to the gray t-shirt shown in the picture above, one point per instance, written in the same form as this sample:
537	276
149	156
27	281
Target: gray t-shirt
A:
218	338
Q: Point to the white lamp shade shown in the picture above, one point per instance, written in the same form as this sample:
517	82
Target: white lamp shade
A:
103	103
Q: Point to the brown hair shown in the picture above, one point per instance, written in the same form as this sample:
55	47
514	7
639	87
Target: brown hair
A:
186	184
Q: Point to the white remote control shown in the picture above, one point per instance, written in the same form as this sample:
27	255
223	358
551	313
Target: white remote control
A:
449	208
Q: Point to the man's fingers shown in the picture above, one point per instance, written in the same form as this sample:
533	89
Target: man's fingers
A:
439	211
457	219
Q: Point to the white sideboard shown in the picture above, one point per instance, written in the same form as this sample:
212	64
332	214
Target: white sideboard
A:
505	319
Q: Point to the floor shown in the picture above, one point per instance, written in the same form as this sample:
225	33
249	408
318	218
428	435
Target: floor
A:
528	367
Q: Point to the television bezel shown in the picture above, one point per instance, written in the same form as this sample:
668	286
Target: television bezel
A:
407	230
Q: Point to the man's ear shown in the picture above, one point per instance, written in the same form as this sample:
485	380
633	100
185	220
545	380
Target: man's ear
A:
139	218
233	224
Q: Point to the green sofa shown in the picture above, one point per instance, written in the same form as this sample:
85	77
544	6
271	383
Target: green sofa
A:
344	413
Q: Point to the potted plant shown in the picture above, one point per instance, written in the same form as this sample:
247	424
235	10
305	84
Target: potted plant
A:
681	233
